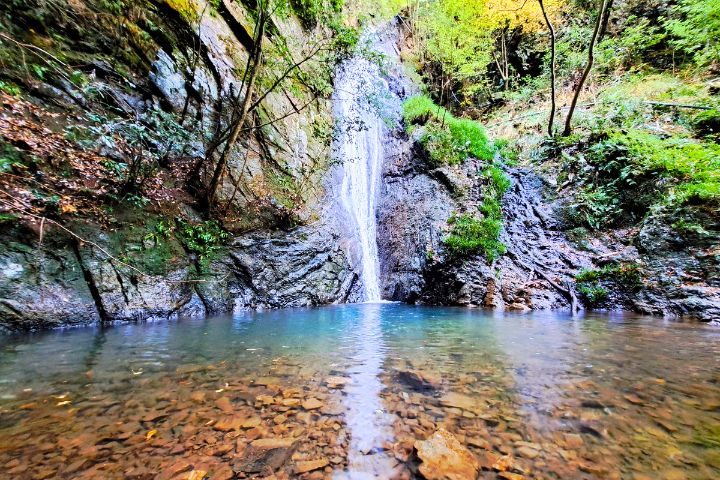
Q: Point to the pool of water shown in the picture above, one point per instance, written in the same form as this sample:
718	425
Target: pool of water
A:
345	391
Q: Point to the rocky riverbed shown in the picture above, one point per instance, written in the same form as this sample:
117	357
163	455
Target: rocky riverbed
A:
543	403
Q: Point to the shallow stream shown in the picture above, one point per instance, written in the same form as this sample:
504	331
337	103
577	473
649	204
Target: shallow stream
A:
344	392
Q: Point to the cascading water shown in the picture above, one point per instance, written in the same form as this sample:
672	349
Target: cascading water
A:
362	100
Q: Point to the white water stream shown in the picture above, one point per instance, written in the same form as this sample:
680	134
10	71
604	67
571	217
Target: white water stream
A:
361	97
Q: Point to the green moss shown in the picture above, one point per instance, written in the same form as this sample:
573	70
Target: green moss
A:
447	139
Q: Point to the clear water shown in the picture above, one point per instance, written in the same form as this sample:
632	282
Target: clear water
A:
597	396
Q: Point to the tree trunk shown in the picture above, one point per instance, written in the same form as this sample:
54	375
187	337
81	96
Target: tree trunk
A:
552	69
591	58
244	110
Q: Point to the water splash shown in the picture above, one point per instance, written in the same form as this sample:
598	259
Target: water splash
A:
362	100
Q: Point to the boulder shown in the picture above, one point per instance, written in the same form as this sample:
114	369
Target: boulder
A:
445	458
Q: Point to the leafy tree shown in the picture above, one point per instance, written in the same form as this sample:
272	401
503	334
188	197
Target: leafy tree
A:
698	31
588	67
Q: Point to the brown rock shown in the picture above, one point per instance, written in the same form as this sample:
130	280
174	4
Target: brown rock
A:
197	475
280	419
198	397
527	452
225	473
458	400
444	457
310	465
573	440
266	452
338	382
420	380
270	443
480	443
503	463
223	403
229	423
251	422
312	404
510	476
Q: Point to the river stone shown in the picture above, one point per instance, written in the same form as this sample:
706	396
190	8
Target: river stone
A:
312	404
420	380
310	465
444	457
272	452
458	400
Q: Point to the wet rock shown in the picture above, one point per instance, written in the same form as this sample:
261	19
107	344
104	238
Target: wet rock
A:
266	452
224	473
310	465
420	380
223	404
338	382
251	422
312	404
458	400
527	452
573	440
444	457
510	476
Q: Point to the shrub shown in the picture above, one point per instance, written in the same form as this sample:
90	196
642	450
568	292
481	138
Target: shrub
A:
707	122
469	235
201	238
448	140
593	284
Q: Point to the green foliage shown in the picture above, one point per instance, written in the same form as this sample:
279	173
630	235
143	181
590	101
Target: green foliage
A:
593	293
10	89
707	122
201	238
509	151
697	30
626	274
312	12
637	38
159	232
689	227
145	143
594	284
500	181
469	234
622	175
446	138
10	156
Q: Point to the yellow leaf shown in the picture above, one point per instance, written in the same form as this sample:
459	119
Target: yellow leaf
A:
66	402
68	208
151	434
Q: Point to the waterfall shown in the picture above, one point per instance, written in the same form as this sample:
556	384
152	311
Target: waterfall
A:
362	99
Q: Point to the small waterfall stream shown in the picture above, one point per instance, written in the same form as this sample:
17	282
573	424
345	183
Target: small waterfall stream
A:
362	100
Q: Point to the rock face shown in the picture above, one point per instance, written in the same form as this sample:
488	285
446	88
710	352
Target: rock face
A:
413	217
68	284
444	457
43	289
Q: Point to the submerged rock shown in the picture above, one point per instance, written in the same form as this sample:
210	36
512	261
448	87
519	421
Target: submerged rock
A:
444	457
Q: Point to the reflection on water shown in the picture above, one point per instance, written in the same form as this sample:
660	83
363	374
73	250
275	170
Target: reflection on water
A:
343	392
368	424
